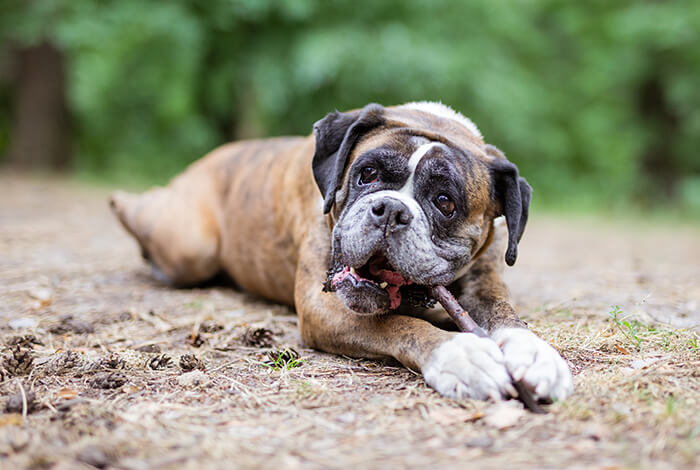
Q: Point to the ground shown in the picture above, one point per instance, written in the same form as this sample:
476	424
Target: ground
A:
94	374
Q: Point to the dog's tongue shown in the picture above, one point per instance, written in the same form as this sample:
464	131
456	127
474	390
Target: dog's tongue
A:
394	279
377	269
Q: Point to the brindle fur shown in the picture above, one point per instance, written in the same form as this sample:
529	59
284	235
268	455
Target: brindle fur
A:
252	209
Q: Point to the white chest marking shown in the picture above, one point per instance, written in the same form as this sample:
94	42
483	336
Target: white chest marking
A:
413	161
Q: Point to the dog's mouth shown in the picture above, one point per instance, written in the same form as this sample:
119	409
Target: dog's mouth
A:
377	274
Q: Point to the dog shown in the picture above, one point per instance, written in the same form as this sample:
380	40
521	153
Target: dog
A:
352	226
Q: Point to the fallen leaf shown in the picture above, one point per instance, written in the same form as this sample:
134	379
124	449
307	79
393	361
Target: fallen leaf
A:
621	349
67	393
447	416
11	419
193	379
504	415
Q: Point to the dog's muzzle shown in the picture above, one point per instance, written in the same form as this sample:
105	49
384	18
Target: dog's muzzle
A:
390	214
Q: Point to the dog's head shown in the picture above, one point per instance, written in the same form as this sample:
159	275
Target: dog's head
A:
411	192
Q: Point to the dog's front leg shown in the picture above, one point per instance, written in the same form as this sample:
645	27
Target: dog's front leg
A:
484	295
457	365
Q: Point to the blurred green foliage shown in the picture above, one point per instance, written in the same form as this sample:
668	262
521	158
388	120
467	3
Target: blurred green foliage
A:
598	102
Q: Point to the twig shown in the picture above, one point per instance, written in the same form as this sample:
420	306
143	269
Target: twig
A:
24	399
468	325
457	313
48	405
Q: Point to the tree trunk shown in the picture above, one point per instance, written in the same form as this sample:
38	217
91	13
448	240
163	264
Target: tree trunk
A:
658	162
40	137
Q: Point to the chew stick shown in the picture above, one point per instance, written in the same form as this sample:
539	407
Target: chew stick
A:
468	325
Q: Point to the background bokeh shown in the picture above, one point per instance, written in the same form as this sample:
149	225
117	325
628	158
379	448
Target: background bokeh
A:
598	102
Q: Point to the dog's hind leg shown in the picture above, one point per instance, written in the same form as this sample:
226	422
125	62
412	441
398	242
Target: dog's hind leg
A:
177	228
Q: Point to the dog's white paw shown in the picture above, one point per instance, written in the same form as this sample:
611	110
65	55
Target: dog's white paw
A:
468	366
535	362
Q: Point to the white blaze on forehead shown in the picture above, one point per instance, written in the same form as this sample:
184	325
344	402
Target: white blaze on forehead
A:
413	162
444	111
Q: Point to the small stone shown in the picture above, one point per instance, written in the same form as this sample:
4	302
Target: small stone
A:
22	322
483	442
41	294
69	324
193	379
68	404
643	363
148	348
346	418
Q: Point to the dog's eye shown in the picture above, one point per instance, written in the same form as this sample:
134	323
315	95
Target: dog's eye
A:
368	175
445	204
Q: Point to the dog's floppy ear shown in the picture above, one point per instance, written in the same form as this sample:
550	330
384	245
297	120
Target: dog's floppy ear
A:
336	134
514	194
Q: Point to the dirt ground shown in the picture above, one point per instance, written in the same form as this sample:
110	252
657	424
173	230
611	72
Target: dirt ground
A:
94	373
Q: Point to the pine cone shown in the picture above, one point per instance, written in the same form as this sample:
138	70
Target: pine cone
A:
190	362
63	362
18	362
195	340
158	362
210	327
109	380
26	341
113	361
258	337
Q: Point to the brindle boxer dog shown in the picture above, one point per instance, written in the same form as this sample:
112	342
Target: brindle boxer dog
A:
409	198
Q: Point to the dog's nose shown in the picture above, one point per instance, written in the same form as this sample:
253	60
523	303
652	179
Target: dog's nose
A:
391	213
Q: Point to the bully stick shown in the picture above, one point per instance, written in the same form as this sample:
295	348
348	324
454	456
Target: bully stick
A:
467	325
